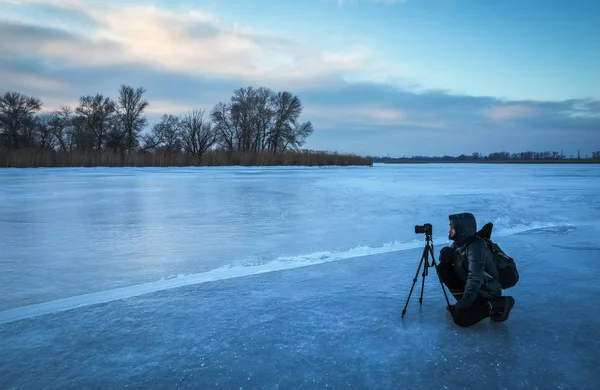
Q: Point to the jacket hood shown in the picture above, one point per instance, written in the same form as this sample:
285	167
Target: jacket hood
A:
464	225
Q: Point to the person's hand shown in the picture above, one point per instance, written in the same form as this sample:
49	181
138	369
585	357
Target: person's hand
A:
446	255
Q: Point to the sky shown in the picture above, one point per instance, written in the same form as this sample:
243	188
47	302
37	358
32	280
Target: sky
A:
375	77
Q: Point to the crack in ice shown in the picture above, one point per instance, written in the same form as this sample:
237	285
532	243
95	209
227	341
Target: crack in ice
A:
229	272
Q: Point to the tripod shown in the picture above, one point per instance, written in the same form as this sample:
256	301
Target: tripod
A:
428	250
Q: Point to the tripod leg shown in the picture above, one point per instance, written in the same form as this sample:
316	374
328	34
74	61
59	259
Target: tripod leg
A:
413	284
440	279
425	272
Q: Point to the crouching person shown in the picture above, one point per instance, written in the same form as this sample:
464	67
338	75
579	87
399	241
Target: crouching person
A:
467	268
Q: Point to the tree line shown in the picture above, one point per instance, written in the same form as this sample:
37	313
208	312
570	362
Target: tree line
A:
256	126
528	156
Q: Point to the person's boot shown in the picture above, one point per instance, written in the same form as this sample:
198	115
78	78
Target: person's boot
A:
501	307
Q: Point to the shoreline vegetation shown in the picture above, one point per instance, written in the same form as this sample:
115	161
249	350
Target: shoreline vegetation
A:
496	158
256	127
45	158
64	159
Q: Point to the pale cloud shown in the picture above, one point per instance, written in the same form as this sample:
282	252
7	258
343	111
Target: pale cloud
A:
509	112
12	78
191	42
369	115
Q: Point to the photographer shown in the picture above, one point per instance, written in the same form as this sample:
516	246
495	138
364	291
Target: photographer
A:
468	270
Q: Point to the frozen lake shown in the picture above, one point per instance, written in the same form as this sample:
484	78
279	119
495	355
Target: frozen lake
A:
202	244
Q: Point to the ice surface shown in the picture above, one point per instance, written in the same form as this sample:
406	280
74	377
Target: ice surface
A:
289	277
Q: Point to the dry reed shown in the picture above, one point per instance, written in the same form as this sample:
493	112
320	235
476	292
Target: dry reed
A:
35	158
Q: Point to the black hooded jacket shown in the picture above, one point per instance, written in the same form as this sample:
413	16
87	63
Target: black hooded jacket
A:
473	261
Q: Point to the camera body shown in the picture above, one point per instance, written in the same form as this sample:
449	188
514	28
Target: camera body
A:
423	229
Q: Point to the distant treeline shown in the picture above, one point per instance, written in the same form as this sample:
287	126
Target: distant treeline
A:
257	126
498	157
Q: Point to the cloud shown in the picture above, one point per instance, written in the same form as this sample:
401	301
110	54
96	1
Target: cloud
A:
55	46
193	42
398	111
16	80
508	112
584	108
369	116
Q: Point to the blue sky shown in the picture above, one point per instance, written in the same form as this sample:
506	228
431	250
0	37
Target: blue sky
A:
375	77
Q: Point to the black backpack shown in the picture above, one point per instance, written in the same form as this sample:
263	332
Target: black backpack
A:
507	269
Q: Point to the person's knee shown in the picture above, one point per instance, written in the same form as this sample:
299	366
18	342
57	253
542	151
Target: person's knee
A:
448	276
445	271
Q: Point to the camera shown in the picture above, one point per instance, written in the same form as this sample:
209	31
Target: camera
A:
426	228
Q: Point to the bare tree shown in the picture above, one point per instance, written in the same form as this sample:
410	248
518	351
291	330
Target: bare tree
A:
44	137
116	138
265	114
295	136
164	135
62	127
131	108
97	113
252	121
82	137
226	129
243	112
287	109
259	119
197	133
17	119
